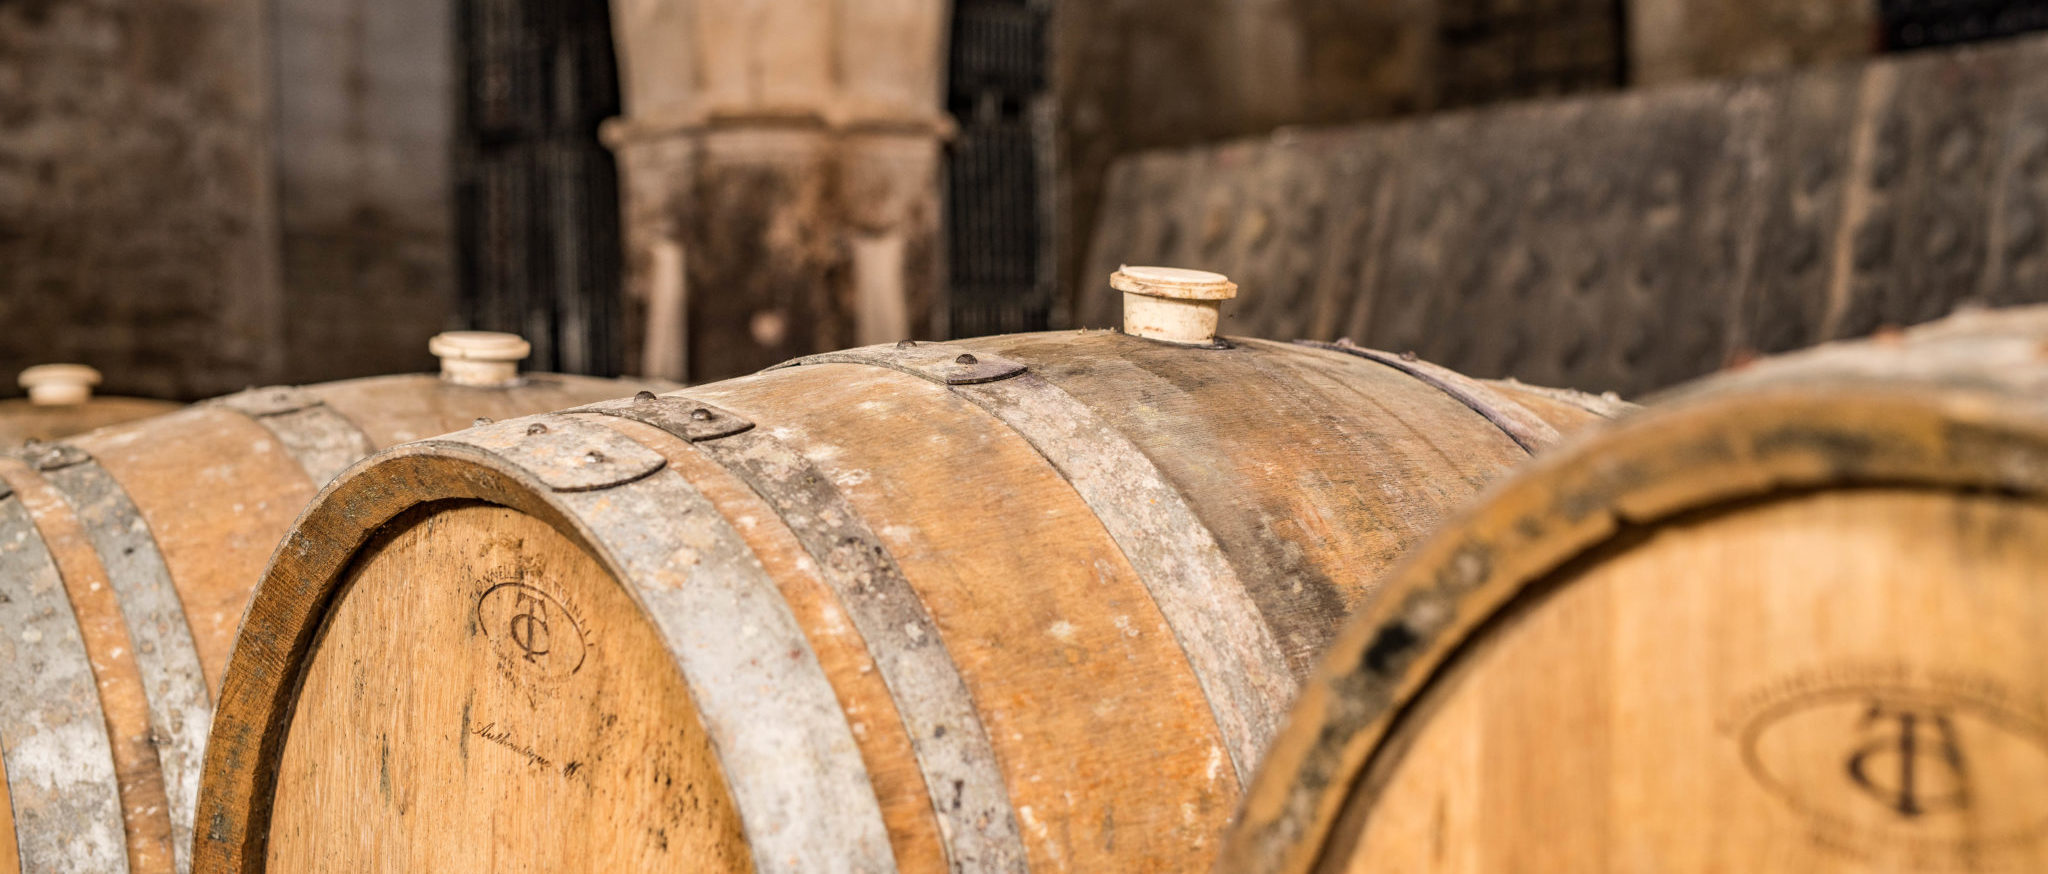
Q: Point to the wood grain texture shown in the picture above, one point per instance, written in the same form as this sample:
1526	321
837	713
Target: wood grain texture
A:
572	747
948	737
145	806
1262	445
1835	682
400	409
217	490
176	516
942	572
10	850
1566	410
22	422
885	745
1078	684
1785	621
1529	431
64	794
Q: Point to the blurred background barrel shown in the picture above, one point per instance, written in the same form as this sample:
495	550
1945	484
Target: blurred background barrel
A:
126	557
1791	619
1023	602
61	402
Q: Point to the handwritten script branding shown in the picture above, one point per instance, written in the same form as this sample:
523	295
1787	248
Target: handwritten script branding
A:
503	737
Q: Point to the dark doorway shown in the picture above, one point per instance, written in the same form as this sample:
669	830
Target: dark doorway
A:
1915	24
998	248
537	196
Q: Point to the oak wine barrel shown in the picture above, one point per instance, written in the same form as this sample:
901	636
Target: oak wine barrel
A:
1792	618
1031	602
61	403
127	555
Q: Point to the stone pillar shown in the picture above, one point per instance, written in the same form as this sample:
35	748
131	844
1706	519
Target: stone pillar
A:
785	155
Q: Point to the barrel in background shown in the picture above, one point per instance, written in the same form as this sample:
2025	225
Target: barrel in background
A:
1792	618
61	402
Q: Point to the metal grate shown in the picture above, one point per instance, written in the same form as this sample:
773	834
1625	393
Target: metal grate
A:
1505	49
1913	24
537	206
999	261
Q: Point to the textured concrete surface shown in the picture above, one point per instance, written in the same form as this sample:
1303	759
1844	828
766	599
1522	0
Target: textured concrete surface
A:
1623	242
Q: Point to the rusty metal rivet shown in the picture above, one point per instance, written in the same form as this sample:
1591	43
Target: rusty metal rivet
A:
700	415
1408	355
480	421
905	344
593	457
966	358
536	428
643	395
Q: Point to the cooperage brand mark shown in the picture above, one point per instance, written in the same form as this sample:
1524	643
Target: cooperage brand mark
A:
1895	758
531	630
1913	763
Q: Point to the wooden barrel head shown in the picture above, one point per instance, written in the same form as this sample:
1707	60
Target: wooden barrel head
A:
486	696
150	536
1840	681
1793	621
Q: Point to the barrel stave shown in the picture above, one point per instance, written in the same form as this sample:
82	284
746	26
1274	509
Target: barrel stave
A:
885	745
968	503
390	410
1254	441
213	488
24	422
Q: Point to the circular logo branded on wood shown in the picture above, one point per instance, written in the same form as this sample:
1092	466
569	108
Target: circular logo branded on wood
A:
1932	768
531	630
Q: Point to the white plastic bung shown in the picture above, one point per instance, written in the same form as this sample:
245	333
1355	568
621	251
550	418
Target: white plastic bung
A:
1172	304
480	358
59	385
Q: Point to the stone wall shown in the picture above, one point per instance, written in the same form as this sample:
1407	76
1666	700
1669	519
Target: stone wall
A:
365	111
137	219
198	195
1623	242
1131	75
